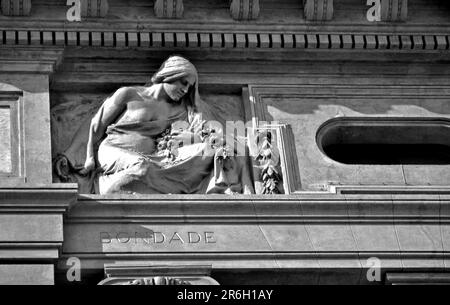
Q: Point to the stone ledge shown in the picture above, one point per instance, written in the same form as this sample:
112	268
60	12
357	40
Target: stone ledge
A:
271	261
31	220
37	198
296	208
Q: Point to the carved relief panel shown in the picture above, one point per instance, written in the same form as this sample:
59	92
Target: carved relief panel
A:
318	156
11	134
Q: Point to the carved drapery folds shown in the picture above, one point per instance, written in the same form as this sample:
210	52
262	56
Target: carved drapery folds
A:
16	7
169	8
94	8
394	10
244	9
317	10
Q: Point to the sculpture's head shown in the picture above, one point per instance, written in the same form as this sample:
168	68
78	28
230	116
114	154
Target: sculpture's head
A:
180	80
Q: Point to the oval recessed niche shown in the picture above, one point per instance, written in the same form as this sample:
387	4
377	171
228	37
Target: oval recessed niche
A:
386	141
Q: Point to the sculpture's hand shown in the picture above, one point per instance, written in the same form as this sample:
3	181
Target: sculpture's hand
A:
89	166
185	136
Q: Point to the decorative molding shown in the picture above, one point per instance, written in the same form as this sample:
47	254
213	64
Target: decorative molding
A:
54	198
169	8
271	41
33	218
394	10
145	274
413	205
158	281
244	9
16	7
417	278
318	10
44	60
91	8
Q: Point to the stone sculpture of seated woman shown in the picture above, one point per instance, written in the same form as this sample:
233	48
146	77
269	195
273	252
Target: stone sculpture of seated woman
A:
153	140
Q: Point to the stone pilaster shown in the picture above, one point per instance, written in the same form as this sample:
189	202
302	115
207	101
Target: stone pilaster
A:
31	231
318	10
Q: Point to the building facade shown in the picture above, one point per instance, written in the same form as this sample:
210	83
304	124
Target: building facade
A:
351	99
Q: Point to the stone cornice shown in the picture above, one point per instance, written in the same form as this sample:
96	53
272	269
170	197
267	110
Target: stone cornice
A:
55	198
408	42
33	59
294	208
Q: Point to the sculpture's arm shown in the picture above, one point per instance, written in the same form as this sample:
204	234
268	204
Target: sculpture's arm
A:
106	115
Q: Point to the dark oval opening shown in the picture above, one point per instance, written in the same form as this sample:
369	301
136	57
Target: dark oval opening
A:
386	141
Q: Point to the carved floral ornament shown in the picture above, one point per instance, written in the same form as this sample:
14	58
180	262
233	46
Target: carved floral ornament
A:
267	163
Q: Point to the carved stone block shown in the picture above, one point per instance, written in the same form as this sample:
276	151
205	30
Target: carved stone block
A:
94	8
318	9
394	10
244	9
16	7
169	8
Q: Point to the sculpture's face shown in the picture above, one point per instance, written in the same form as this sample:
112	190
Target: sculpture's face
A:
177	89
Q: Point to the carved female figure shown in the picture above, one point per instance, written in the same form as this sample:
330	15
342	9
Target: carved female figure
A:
152	139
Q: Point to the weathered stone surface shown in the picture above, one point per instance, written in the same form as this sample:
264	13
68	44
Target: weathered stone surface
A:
26	274
306	114
5	140
419	237
34	163
244	9
16	7
318	9
372	238
31	228
94	8
169	8
394	10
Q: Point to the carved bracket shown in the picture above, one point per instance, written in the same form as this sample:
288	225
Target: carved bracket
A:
16	7
244	9
169	8
394	10
318	10
94	8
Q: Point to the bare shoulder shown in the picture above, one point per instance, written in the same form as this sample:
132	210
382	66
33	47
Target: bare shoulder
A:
124	91
124	94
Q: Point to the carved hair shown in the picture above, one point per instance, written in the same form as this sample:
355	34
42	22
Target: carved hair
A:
175	68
